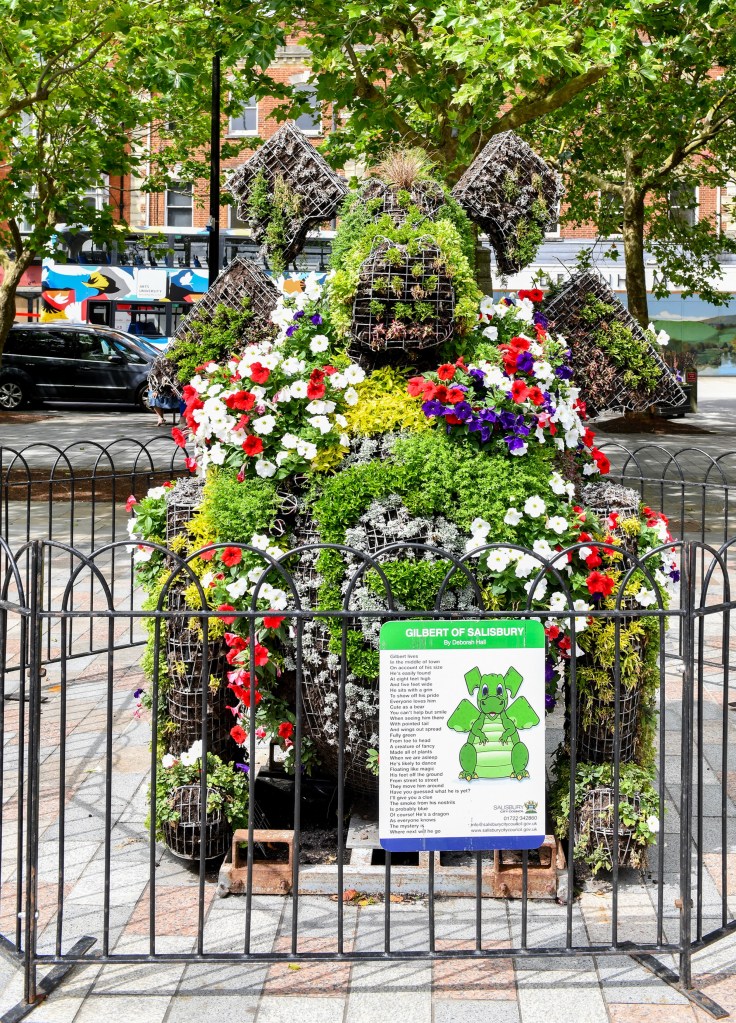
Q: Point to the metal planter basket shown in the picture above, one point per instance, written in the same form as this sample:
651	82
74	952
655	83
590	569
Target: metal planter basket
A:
404	302
290	155
184	837
507	189
596	739
427	196
185	648
185	709
607	498
594	821
600	380
182	500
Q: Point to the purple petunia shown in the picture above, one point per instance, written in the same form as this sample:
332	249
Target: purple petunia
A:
463	410
564	372
549	702
514	443
433	408
292	330
316	319
477	374
541	320
243	767
525	362
139	692
298	314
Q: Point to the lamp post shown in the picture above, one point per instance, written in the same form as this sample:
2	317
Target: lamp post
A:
213	242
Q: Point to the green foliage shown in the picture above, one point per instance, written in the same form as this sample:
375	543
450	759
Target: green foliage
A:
231	511
227	790
631	354
633	782
450	230
215	340
273	208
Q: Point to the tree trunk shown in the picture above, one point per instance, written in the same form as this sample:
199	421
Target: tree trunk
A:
13	271
633	230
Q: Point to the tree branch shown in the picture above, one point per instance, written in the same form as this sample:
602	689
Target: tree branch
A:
530	110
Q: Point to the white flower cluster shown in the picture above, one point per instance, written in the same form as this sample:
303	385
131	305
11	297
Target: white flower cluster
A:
188	758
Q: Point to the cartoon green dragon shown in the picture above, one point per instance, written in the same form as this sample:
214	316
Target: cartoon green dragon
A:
493	748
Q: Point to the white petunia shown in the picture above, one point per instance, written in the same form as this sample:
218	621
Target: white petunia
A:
498	559
307	450
264	424
351	396
319	343
521	449
534	507
289	441
142	554
558	601
557	484
337	381
486	305
557	524
480	527
281	457
320	408
539	590
292	366
645	597
542	548
299	389
320	423
491	333
653	824
217	454
354	374
156	492
167	761
513	517
344	440
526	565
265	468
237	588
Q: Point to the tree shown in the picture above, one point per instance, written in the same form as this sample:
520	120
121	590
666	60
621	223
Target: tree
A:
80	86
662	121
447	77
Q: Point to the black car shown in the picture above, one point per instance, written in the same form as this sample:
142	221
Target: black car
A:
73	362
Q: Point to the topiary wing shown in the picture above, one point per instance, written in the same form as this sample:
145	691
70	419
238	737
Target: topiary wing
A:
522	713
463	716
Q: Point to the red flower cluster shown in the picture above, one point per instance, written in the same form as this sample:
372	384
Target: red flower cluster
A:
511	353
272	621
231	556
533	294
227	619
259	374
286	730
239	734
252	446
243	401
316	386
599	583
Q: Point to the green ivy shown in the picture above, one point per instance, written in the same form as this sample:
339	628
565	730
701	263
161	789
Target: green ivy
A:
216	339
232	512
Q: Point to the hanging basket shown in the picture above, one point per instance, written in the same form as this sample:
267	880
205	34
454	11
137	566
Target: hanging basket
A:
185	647
600	379
427	196
605	499
594	824
183	837
596	739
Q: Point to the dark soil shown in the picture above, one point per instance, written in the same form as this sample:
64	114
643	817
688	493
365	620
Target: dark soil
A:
642	422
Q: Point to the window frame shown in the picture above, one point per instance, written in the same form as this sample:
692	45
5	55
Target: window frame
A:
177	186
694	209
317	114
244	132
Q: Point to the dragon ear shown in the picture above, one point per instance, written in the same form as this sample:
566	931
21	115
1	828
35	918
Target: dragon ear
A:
472	680
513	680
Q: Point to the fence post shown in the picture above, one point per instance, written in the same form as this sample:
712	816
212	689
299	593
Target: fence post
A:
689	564
35	657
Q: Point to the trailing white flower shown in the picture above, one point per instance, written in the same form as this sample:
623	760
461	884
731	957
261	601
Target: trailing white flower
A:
534	507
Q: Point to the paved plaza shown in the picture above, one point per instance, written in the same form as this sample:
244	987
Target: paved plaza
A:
587	989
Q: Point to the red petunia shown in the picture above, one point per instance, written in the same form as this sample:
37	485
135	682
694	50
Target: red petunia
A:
261	656
452	420
242	423
243	401
179	438
234	641
286	730
597	582
552	631
519	344
441	393
594	559
604	466
317	376
239	734
188	393
455	395
588	437
207	555
191	464
416	386
315	391
227	619
130	502
329	370
533	294
273	621
519	391
231	556
259	374
446	371
241	474
252	445
535	396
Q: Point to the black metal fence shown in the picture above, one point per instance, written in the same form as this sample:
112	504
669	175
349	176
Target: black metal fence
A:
84	879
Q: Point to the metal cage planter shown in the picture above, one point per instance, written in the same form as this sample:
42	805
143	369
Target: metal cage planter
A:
596	737
510	192
184	837
290	155
404	299
611	498
594	825
601	381
427	196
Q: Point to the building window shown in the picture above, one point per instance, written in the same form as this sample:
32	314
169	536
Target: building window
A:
683	205
246	122
310	122
553	228
179	205
99	197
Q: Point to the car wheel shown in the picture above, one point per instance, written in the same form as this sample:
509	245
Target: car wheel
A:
12	394
141	397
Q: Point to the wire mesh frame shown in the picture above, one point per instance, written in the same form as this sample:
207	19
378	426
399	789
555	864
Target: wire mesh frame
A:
183	837
595	818
411	280
596	738
241	279
290	155
600	380
427	196
506	186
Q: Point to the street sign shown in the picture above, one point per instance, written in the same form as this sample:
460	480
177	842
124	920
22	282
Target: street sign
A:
461	748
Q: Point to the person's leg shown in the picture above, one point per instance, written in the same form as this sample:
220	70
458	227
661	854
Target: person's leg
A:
156	409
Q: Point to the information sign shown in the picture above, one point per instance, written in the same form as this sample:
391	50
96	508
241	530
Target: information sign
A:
461	749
